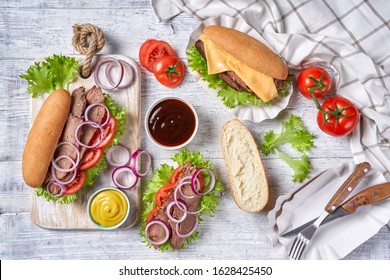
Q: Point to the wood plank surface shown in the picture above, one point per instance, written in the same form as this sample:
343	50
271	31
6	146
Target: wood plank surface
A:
32	29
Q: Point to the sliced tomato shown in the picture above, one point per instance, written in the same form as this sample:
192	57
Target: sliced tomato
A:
175	175
142	52
152	214
90	159
76	184
162	194
153	50
109	133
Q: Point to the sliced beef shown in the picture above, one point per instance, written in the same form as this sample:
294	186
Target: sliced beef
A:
228	77
193	205
68	135
96	114
79	102
158	233
94	95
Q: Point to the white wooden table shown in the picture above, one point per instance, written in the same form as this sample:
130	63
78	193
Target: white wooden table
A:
31	29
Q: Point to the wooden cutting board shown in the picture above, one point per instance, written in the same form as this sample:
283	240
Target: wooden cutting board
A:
52	215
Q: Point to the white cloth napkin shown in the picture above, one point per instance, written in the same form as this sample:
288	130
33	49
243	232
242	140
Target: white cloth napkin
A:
353	37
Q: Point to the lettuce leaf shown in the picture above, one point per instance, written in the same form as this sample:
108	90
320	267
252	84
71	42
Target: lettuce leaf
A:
92	173
161	177
55	72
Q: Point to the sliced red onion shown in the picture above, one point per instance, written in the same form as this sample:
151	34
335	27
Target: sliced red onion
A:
55	189
190	232
88	109
77	153
125	66
171	204
198	191
53	173
134	162
57	167
177	188
94	125
163	225
109	78
131	177
117	155
187	180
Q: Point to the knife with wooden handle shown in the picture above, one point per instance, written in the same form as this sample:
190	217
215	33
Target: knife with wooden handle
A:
367	196
338	198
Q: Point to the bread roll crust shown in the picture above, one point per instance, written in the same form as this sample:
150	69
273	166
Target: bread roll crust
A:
249	50
247	178
44	136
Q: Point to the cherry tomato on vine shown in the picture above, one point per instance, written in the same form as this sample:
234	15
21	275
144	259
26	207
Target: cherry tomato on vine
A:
339	116
314	79
151	50
169	70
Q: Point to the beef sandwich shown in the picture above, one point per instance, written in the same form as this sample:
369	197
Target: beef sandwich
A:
242	62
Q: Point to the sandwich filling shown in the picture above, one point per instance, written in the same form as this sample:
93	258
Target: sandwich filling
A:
218	61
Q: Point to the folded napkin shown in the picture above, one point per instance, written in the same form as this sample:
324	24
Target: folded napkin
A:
352	37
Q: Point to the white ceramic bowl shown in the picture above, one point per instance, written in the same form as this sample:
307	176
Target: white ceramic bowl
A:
116	225
147	116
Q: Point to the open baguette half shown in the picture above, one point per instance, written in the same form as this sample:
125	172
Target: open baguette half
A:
247	178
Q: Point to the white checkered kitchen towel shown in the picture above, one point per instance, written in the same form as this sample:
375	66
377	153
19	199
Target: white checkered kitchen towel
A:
352	36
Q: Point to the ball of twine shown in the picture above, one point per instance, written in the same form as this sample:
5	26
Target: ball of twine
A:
89	47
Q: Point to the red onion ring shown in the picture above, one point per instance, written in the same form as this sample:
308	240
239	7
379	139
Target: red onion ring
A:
53	173
193	181
97	69
94	105
163	225
54	161
176	200
187	180
119	149
134	162
127	169
124	65
52	193
190	232
57	167
171	204
93	124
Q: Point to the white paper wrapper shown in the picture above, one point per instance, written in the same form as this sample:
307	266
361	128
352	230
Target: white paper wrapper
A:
247	112
336	239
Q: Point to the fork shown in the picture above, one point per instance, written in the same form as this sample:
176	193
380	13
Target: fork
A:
303	238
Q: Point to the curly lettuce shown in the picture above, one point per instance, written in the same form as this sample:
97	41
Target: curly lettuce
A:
162	176
55	72
295	134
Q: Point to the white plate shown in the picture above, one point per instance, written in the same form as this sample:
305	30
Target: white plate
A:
334	240
245	112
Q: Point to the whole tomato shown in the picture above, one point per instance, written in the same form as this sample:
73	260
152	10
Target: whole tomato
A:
314	80
338	116
169	70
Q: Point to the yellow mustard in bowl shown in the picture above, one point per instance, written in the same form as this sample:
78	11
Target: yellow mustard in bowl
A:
109	208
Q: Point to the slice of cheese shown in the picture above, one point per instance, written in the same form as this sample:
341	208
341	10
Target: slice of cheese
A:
218	60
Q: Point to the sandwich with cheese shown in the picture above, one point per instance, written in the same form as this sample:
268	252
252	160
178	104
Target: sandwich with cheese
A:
241	67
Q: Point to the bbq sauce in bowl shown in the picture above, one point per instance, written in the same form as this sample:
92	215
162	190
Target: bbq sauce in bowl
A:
171	122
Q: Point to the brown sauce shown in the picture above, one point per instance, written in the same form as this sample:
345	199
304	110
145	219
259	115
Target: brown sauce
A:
171	122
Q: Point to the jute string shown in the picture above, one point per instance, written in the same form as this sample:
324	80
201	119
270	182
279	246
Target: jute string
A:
90	47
